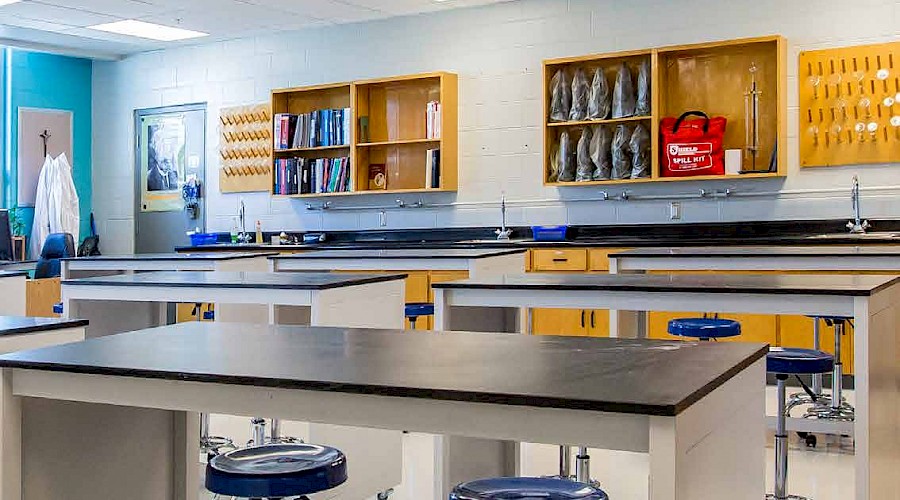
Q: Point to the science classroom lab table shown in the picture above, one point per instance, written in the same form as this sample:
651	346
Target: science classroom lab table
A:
82	267
696	409
18	333
129	302
426	266
855	259
477	262
872	301
355	300
12	291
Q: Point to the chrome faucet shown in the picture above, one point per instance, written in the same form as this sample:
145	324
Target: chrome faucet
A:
857	225
243	236
504	232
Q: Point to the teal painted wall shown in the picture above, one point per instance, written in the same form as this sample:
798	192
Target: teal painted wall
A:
38	80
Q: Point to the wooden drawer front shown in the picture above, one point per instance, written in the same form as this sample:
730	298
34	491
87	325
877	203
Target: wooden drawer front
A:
559	260
599	257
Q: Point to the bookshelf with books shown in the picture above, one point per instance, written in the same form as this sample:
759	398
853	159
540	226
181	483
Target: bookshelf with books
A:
392	135
407	133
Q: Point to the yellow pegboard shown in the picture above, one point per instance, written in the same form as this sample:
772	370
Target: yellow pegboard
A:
245	149
850	105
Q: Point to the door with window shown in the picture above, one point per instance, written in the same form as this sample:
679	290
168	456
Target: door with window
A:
169	176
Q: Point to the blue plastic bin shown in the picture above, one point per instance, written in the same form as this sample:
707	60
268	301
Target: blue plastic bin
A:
549	233
198	239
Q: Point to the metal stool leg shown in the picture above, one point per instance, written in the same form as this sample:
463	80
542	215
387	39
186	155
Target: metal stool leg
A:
583	466
781	445
412	322
275	435
257	432
565	462
838	409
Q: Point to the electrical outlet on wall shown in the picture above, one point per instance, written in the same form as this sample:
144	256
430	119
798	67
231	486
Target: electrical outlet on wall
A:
675	210
382	218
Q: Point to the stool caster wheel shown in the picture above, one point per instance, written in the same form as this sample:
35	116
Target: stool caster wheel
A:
810	439
385	495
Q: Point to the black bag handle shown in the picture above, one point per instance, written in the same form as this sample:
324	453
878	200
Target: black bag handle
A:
686	114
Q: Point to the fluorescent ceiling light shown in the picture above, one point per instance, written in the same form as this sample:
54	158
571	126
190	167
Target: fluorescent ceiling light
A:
152	31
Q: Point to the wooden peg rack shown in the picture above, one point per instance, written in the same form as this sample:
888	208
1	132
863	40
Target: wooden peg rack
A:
850	105
245	149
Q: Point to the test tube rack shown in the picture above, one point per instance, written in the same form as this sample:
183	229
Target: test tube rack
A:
245	149
849	105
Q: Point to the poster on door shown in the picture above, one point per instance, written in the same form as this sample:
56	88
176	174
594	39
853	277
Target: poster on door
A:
163	162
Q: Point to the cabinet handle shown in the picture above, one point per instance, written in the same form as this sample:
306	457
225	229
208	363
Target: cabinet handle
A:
582	318
560	260
592	318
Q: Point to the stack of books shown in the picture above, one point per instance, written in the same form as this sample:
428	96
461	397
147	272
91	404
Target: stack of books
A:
433	169
325	127
312	175
433	120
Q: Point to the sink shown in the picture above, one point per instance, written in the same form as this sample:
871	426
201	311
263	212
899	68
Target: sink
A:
846	236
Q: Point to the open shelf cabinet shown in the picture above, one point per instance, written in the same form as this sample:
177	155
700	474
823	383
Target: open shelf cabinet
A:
711	77
388	131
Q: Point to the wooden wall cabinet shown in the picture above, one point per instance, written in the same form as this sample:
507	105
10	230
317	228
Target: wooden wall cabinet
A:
394	111
710	77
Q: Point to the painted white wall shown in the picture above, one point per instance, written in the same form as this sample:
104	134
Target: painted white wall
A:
497	52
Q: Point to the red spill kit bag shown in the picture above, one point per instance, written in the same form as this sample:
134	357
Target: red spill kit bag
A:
692	147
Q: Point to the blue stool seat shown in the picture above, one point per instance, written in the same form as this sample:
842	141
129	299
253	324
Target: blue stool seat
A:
209	316
416	309
704	328
793	361
525	488
275	471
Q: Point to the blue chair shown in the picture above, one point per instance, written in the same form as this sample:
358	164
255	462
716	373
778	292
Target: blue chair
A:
704	329
784	362
276	471
526	488
415	310
57	246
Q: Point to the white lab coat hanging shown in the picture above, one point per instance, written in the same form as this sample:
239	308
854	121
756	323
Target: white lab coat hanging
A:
68	218
56	206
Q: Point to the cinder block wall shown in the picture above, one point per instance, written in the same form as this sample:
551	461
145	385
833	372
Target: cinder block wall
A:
497	51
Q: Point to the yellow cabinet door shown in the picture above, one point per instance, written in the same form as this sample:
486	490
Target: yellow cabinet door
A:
797	331
598	323
567	322
658	323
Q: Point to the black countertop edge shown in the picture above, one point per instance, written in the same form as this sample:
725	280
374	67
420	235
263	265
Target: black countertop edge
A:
233	254
12	274
464	285
43	327
484	254
758	252
669	410
676	234
375	278
722	379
